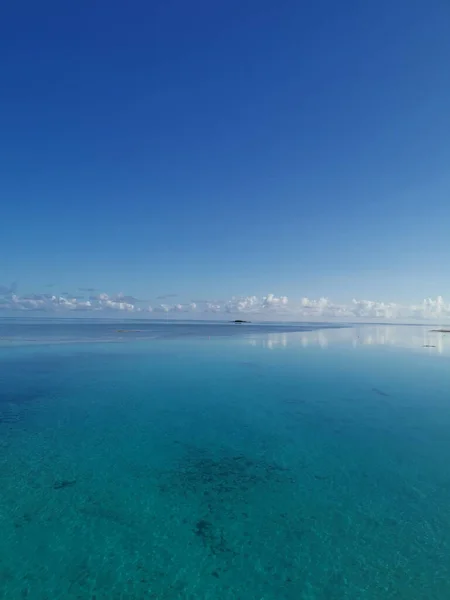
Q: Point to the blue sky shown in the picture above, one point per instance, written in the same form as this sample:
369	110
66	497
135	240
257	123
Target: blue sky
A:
225	149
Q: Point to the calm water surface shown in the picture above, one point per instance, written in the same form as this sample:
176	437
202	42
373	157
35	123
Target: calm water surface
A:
207	462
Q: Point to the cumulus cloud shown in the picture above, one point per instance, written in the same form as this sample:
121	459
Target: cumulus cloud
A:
161	308
241	304
271	301
253	304
118	302
325	309
175	308
213	307
99	297
52	303
269	307
429	309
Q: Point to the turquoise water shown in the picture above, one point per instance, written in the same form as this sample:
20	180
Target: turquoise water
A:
224	464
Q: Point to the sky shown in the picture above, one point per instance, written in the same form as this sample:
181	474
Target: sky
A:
287	159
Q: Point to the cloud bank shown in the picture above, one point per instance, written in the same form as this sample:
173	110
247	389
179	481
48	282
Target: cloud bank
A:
269	307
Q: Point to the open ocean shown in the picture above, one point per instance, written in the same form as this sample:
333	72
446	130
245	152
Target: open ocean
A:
205	461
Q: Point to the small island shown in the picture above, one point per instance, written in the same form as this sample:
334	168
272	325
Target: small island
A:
440	331
240	321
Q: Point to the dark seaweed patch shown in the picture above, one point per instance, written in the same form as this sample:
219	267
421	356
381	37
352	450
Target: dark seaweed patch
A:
213	538
199	473
61	484
380	392
223	483
25	519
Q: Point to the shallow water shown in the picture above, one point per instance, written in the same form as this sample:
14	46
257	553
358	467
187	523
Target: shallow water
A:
284	465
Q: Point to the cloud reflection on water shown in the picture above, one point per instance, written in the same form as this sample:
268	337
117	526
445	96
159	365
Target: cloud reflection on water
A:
402	336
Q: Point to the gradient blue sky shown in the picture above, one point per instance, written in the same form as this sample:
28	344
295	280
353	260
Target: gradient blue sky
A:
211	149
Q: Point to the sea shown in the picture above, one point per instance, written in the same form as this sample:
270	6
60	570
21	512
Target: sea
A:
198	461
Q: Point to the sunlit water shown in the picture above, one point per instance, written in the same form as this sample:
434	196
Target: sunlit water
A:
224	463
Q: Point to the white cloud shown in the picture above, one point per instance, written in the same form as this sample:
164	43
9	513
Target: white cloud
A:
243	304
213	307
53	303
253	304
429	309
176	308
270	307
271	301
